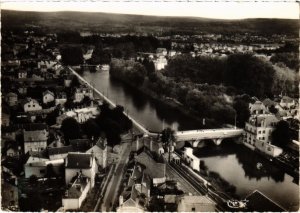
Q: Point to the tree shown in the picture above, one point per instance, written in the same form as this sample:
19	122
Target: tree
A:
33	180
91	128
249	74
71	129
72	56
281	134
100	56
50	171
241	107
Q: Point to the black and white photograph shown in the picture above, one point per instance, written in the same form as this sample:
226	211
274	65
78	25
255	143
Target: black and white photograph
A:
150	106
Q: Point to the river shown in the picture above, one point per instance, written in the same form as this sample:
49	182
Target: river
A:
234	163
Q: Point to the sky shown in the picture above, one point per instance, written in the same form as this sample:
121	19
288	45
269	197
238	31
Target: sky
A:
221	9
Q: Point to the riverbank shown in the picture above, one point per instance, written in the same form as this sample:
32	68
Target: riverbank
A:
171	103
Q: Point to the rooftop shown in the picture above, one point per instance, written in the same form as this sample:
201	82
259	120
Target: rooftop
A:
261	203
76	160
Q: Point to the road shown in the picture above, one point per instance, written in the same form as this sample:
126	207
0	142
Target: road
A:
113	186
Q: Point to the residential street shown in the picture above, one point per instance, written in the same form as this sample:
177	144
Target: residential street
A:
110	194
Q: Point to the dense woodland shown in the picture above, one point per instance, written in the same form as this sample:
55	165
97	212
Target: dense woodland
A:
214	88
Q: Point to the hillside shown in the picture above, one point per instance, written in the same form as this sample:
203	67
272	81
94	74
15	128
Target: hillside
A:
104	22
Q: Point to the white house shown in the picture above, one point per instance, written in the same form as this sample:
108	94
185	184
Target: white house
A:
35	140
76	193
191	159
130	201
61	99
188	203
100	152
38	166
160	63
48	96
32	105
258	132
81	115
80	93
80	163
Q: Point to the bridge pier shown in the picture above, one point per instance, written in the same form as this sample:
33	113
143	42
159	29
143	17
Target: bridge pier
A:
218	141
195	143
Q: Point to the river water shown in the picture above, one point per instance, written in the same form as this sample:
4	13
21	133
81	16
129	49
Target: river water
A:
234	163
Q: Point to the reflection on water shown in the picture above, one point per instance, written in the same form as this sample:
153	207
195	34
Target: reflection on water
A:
238	165
143	108
234	163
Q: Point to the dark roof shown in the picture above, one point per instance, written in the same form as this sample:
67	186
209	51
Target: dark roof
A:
79	160
257	201
60	150
80	145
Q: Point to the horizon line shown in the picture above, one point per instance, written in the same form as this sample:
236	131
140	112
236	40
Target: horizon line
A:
135	14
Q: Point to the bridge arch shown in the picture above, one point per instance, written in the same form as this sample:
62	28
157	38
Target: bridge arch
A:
218	141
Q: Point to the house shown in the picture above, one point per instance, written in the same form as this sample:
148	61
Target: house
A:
140	180
22	74
12	99
268	103
155	169
258	202
188	203
81	145
9	132
81	115
80	163
44	65
9	196
31	105
61	98
160	63
287	102
76	193
60	152
38	166
12	149
258	132
88	54
81	92
257	108
5	119
130	201
161	52
172	53
191	159
35	140
100	152
48	96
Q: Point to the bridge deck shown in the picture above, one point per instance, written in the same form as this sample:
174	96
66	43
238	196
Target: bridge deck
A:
208	134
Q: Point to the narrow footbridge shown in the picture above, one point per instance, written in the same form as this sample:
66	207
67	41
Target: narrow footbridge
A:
217	135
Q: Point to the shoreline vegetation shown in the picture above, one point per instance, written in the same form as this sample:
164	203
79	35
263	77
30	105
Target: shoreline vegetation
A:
216	89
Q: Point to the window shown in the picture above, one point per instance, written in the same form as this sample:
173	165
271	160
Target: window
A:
33	105
263	131
193	209
259	132
263	138
29	105
42	171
